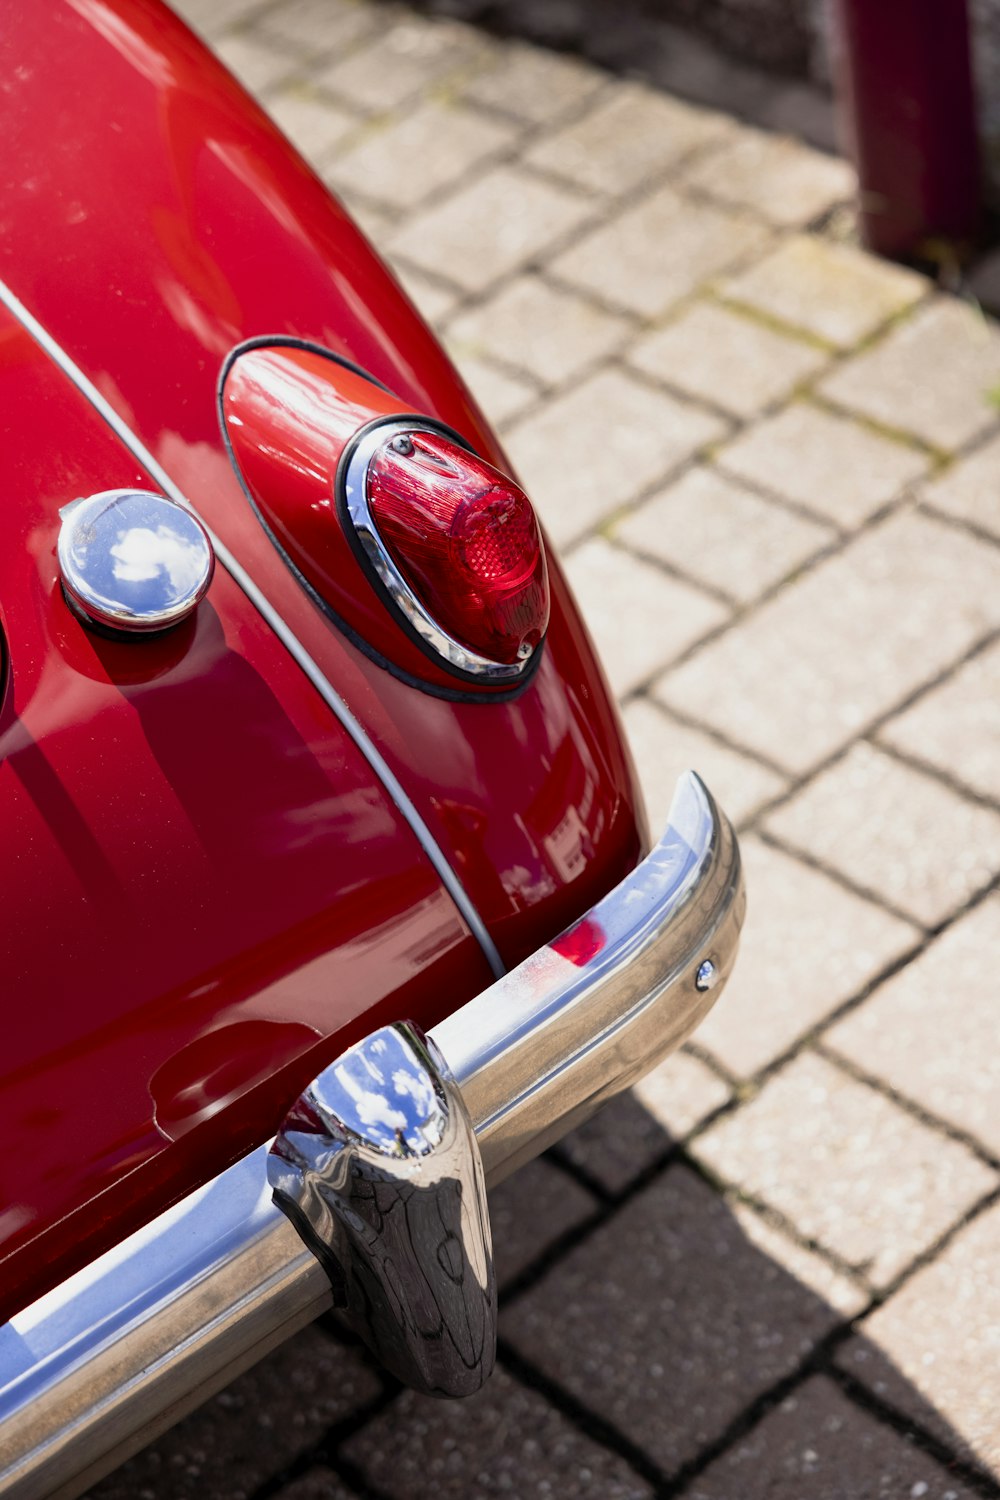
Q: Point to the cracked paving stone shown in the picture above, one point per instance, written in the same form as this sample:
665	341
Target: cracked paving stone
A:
314	26
252	1429
836	292
663	748
930	1031
506	1440
807	946
585	454
956	726
817	1443
838	648
668	1319
895	831
726	359
850	1169
936	375
933	1350
828	463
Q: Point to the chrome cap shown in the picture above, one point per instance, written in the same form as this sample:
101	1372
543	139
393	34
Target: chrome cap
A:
132	561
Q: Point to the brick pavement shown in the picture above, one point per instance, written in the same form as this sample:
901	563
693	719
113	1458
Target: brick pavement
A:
772	465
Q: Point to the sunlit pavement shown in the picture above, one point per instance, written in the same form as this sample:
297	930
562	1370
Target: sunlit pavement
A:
772	466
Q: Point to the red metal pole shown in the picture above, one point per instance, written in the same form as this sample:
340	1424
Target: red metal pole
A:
908	111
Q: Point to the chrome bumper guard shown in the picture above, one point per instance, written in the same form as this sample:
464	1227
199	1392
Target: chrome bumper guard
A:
95	1369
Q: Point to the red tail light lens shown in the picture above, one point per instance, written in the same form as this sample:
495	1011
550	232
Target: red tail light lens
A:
464	541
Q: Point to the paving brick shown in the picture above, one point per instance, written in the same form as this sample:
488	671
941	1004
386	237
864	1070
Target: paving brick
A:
316	26
632	1132
818	1443
970	489
631	134
587	453
932	1349
534	85
896	831
801	676
658	251
773	175
720	356
848	1167
639	618
419	155
930	1031
935	376
834	291
432	300
833	465
680	1093
549	332
504	1441
957	726
211	18
529	1211
722	534
668	1320
843	1294
499	394
313	125
407	58
807	946
664	748
253	1428
489	228
257	67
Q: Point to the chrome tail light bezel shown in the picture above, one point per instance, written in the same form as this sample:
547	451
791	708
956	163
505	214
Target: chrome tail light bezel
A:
384	575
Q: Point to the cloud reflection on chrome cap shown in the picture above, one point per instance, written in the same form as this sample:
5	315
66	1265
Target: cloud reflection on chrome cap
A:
133	561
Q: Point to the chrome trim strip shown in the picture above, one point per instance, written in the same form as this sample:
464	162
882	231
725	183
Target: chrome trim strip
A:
289	640
395	585
98	1367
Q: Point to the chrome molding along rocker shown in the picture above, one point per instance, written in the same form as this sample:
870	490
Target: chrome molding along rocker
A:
372	1196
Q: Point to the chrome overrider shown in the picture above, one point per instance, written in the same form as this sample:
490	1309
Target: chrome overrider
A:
95	1369
378	1169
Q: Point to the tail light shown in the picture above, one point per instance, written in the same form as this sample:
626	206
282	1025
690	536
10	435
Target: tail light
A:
454	544
453	581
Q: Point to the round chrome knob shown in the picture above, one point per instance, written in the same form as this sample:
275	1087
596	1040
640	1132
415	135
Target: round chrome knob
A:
132	561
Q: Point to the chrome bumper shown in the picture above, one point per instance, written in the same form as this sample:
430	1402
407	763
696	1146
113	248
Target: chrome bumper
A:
95	1369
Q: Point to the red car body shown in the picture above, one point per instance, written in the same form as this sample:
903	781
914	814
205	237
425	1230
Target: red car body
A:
206	882
232	850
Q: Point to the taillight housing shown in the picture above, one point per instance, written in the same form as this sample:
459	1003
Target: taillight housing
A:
453	545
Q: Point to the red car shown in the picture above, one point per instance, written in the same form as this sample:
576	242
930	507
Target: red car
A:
318	828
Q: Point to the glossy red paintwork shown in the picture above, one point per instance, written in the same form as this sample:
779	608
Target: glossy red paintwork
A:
152	218
201	880
174	221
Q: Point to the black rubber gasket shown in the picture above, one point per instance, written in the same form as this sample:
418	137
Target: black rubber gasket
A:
485	693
